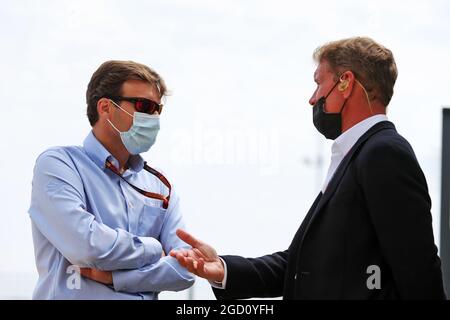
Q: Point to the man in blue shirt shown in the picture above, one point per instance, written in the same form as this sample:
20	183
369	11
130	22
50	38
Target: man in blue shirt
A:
102	219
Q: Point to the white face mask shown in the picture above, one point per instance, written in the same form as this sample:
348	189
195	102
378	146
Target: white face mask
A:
142	134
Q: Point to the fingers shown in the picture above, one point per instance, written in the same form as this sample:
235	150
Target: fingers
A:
104	277
97	275
201	265
192	266
175	252
198	253
86	272
184	261
188	238
188	263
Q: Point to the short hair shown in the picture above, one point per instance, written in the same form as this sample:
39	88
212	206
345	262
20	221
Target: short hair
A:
372	64
108	79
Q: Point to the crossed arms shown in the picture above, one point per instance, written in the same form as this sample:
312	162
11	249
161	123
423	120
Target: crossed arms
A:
132	263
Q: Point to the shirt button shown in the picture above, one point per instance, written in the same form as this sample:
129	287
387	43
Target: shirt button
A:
130	205
295	277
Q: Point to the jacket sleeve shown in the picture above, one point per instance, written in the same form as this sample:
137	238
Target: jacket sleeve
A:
261	277
396	194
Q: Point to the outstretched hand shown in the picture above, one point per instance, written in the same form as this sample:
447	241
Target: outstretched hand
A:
202	260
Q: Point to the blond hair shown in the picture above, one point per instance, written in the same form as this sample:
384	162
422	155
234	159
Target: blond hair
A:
371	63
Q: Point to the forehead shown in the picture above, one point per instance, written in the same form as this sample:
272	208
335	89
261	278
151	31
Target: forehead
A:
140	89
322	70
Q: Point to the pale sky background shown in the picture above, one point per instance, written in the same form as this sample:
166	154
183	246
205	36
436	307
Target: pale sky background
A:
237	138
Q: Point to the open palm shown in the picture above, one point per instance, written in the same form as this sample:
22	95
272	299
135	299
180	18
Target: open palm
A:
202	259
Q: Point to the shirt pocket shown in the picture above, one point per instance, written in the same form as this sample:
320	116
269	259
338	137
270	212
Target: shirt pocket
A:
151	221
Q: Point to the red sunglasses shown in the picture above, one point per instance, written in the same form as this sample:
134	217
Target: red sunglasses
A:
140	104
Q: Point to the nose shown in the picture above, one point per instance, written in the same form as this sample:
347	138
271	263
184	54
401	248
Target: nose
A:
312	100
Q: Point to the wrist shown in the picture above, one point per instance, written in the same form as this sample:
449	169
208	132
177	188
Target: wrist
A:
220	277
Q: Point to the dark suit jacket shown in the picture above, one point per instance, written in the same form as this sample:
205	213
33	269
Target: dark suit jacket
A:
375	211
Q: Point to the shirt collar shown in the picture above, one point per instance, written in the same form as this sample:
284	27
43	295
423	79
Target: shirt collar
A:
347	140
98	153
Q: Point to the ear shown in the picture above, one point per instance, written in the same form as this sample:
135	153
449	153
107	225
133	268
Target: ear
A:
346	82
103	107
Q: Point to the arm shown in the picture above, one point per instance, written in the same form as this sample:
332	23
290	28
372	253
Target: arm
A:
245	277
166	273
261	277
399	206
58	209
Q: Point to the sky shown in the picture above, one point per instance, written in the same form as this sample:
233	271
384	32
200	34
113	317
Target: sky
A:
237	139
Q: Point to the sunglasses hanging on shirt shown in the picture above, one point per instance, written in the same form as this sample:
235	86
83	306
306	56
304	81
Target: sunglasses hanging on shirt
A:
148	194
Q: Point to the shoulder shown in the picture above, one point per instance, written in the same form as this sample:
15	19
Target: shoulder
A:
385	144
55	170
54	156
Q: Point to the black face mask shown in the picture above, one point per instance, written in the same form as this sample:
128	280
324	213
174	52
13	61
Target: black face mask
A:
328	124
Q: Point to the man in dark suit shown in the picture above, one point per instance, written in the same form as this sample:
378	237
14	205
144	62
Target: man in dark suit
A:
368	234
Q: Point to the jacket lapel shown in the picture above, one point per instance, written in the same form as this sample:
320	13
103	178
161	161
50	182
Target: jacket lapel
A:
340	171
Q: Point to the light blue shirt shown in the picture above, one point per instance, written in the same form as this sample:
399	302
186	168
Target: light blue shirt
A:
83	214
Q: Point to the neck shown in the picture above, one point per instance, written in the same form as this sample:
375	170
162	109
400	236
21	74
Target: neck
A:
109	140
355	115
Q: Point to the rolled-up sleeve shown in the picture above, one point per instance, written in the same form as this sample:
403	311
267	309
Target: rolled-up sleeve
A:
58	209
